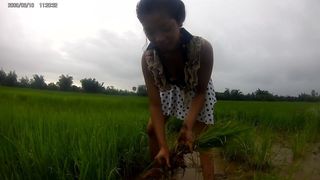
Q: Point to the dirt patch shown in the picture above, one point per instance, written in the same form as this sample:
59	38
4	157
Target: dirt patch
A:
281	155
309	166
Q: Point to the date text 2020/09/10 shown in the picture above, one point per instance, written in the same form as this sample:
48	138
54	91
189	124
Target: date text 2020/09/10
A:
32	5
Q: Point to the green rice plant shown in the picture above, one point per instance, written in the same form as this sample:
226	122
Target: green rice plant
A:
173	125
261	157
312	126
58	135
267	176
284	117
219	134
135	157
309	133
299	143
64	135
252	148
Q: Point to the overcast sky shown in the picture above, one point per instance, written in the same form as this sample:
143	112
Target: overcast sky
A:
268	44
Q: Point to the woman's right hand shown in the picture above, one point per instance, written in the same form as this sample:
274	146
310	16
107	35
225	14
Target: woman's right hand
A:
163	156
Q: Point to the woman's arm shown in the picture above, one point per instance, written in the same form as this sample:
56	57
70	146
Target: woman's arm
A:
204	74
157	117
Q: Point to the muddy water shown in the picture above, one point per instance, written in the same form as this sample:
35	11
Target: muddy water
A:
307	168
193	170
223	170
188	174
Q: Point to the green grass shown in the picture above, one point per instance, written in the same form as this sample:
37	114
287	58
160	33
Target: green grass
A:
292	124
252	148
60	135
45	135
279	116
307	135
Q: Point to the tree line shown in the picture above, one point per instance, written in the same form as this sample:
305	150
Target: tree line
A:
65	83
91	85
264	95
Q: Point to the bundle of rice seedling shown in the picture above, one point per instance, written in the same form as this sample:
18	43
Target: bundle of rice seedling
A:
163	172
215	136
219	134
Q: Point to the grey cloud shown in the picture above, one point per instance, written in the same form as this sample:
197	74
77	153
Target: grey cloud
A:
113	58
272	45
277	49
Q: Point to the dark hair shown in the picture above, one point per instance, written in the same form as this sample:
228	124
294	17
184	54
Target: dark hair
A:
174	8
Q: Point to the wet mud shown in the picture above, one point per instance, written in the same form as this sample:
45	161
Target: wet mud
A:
283	165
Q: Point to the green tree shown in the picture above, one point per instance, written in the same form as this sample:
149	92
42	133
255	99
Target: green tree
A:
110	90
226	94
75	88
11	79
24	82
38	82
263	95
3	76
142	90
236	94
65	82
314	93
91	85
52	86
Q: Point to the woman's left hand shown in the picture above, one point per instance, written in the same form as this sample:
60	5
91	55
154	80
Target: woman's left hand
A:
186	138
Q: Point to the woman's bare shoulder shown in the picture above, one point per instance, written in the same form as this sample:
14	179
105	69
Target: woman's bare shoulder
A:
206	45
206	50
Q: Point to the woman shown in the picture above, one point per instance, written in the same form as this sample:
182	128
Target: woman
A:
177	69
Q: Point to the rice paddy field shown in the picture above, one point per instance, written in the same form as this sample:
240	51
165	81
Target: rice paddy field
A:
62	135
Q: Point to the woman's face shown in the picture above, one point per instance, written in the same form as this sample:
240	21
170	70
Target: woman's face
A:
161	30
